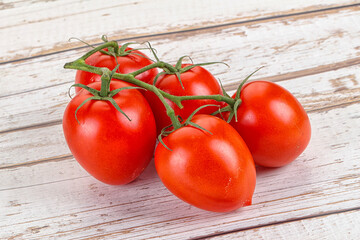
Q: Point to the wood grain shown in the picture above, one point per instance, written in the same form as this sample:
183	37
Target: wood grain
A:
312	48
49	30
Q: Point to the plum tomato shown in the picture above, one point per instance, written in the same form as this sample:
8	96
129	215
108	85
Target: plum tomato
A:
105	143
212	171
273	123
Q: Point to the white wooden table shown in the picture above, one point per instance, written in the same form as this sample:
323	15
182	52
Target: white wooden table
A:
311	47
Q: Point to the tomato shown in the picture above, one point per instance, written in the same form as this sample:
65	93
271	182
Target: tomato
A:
128	64
196	81
273	124
214	172
105	143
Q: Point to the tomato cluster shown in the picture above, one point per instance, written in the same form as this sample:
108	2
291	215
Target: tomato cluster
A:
210	142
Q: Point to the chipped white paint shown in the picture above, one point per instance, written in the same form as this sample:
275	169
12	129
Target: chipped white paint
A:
44	193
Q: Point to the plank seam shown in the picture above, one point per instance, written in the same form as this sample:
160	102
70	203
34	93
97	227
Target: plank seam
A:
36	89
306	72
35	126
41	184
27	164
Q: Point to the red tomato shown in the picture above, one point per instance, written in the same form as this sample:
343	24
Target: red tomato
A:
273	124
128	64
214	172
196	81
106	144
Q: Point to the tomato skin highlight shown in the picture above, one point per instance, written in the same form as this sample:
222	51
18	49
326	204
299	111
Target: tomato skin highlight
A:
196	81
128	64
273	123
214	172
105	143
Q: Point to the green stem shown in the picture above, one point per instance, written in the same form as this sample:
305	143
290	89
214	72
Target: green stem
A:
105	86
219	98
81	65
113	44
159	64
170	112
144	69
105	83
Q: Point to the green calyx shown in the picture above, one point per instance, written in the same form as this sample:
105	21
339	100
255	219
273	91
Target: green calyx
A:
113	49
233	108
104	94
122	51
178	69
187	122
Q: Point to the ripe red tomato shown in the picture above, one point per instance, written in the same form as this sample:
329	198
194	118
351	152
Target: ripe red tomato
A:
273	124
128	64
105	143
214	172
196	81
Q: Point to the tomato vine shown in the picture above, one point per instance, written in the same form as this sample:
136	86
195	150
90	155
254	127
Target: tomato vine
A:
80	64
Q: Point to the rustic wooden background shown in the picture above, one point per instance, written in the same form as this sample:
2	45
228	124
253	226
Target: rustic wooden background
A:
310	47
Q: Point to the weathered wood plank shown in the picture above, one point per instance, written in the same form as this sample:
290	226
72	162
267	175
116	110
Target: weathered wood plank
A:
46	142
325	179
48	30
281	46
335	226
